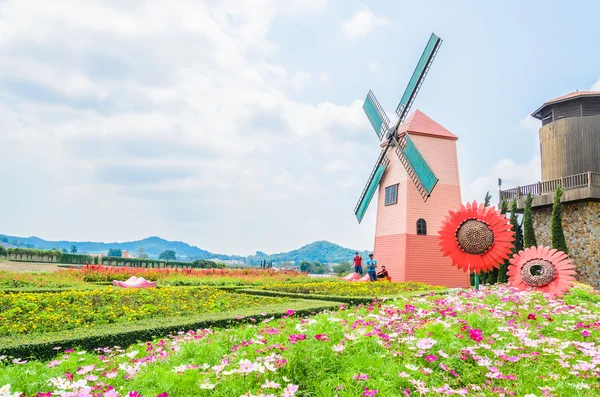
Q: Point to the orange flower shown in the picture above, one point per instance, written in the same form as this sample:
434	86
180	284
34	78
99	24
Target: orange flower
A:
476	237
543	269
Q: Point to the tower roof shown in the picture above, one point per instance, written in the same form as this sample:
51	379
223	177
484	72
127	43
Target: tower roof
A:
564	98
418	123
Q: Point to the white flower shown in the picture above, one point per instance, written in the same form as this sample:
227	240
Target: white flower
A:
426	343
132	354
338	348
207	386
246	366
270	385
270	366
412	367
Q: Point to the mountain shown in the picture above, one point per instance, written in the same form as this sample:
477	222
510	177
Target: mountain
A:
152	245
318	251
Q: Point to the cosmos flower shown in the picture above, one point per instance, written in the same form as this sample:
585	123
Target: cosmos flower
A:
476	237
541	268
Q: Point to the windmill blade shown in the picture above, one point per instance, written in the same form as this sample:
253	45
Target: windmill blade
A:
418	76
371	186
417	168
379	120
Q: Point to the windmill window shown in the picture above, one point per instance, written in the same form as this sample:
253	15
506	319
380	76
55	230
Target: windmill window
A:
421	227
391	194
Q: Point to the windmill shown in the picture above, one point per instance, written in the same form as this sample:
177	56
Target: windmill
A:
417	155
410	157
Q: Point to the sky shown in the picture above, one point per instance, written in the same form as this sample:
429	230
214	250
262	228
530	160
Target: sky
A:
238	126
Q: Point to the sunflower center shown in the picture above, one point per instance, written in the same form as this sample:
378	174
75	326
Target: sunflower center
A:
538	272
474	237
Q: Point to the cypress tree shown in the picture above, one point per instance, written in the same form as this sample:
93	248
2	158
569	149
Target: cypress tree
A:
517	227
529	239
488	277
558	236
501	271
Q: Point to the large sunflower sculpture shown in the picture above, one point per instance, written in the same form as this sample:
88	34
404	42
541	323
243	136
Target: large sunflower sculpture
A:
476	237
543	269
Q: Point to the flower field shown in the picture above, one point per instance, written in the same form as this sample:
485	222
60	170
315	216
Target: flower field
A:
61	279
341	288
25	313
496	342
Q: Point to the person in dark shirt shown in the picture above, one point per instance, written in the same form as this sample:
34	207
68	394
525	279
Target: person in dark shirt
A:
383	273
358	264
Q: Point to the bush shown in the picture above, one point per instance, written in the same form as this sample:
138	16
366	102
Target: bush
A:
3	251
529	239
125	334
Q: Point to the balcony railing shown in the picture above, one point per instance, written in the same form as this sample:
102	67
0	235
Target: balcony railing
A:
549	187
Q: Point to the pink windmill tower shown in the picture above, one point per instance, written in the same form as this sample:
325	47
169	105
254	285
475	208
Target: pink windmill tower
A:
418	155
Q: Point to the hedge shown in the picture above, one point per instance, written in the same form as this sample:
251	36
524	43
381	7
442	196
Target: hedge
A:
152	263
42	346
353	300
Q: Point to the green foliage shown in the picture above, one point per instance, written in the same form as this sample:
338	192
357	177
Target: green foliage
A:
529	239
146	263
206	264
313	267
168	255
558	235
488	199
517	227
343	268
3	251
125	334
318	251
503	268
29	255
76	259
115	252
73	249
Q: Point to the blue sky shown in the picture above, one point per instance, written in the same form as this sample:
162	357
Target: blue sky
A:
237	125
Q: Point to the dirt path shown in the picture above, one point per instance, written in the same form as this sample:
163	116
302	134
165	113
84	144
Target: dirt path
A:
27	266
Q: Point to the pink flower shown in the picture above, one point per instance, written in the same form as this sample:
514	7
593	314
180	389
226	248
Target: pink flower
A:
475	335
370	393
54	363
163	394
47	394
290	312
430	358
360	377
85	369
585	333
322	337
426	343
111	393
91	378
134	394
531	316
111	374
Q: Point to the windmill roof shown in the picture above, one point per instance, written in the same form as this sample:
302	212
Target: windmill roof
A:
418	123
567	97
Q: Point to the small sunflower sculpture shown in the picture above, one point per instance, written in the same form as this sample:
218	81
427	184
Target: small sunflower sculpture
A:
541	268
476	237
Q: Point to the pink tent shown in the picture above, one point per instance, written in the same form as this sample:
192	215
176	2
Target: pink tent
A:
351	277
363	278
134	282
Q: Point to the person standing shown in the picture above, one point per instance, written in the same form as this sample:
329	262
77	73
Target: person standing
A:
372	268
358	263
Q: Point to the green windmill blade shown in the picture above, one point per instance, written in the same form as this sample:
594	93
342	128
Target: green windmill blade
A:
376	115
418	76
369	190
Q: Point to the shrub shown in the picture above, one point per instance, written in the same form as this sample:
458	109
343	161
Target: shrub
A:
558	235
529	239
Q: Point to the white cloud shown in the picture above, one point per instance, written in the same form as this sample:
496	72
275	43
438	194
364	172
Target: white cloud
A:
530	124
512	174
337	165
300	80
596	86
362	23
324	77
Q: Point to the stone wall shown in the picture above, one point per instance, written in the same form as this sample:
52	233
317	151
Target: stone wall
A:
581	223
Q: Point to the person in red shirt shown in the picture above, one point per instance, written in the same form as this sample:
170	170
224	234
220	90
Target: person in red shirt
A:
358	264
383	273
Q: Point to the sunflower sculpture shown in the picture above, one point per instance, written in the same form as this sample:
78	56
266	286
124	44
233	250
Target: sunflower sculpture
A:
543	269
476	237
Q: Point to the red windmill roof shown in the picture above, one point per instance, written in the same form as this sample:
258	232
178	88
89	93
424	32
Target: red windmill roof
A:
418	123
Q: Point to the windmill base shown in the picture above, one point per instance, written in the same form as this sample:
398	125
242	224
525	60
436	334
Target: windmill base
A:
410	257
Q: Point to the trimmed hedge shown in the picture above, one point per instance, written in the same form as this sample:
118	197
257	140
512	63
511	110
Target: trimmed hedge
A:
353	300
42	346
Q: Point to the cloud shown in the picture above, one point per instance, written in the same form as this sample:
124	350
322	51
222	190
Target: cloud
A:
596	86
300	80
513	174
530	124
362	23
324	77
178	116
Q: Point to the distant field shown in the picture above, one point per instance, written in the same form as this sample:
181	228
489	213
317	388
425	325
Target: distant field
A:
27	266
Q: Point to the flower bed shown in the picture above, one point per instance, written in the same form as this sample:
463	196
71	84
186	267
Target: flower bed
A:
377	289
26	313
12	280
492	343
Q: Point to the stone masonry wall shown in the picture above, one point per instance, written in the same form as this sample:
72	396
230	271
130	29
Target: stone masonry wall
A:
581	224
